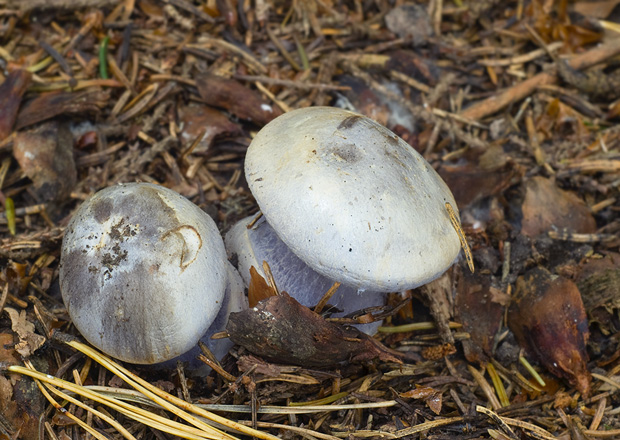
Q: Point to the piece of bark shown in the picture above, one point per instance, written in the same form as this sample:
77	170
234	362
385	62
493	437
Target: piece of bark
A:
595	84
438	295
11	92
480	308
548	319
236	98
48	105
281	330
489	106
45	154
548	207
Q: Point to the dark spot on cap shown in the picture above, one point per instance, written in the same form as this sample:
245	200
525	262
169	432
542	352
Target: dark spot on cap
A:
112	259
102	210
349	122
348	152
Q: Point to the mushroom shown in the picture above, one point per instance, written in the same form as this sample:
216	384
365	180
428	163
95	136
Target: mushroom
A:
143	273
352	200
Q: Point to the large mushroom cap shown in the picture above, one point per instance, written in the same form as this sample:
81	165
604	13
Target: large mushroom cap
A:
353	200
143	272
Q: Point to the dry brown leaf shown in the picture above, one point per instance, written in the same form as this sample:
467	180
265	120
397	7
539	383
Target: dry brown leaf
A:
11	92
48	105
16	276
258	289
20	404
210	123
553	24
480	175
548	318
410	22
29	341
45	154
548	207
598	279
594	8
238	99
562	119
431	397
480	313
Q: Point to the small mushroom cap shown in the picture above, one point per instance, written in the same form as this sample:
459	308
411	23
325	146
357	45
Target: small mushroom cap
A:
235	300
143	272
351	199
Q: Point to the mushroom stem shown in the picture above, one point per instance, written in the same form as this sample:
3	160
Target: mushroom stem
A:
249	247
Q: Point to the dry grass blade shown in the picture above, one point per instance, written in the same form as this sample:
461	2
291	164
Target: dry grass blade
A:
416	326
140	415
486	388
498	384
533	429
70	415
498	420
323	302
294	408
46	386
426	426
168	401
305	433
459	230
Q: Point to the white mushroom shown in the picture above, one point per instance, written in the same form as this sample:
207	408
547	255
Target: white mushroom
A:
352	200
143	272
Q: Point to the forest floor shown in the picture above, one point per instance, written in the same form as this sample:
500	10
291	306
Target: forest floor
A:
515	104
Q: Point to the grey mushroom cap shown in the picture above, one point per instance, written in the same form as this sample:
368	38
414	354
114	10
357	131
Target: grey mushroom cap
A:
352	200
235	300
143	272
